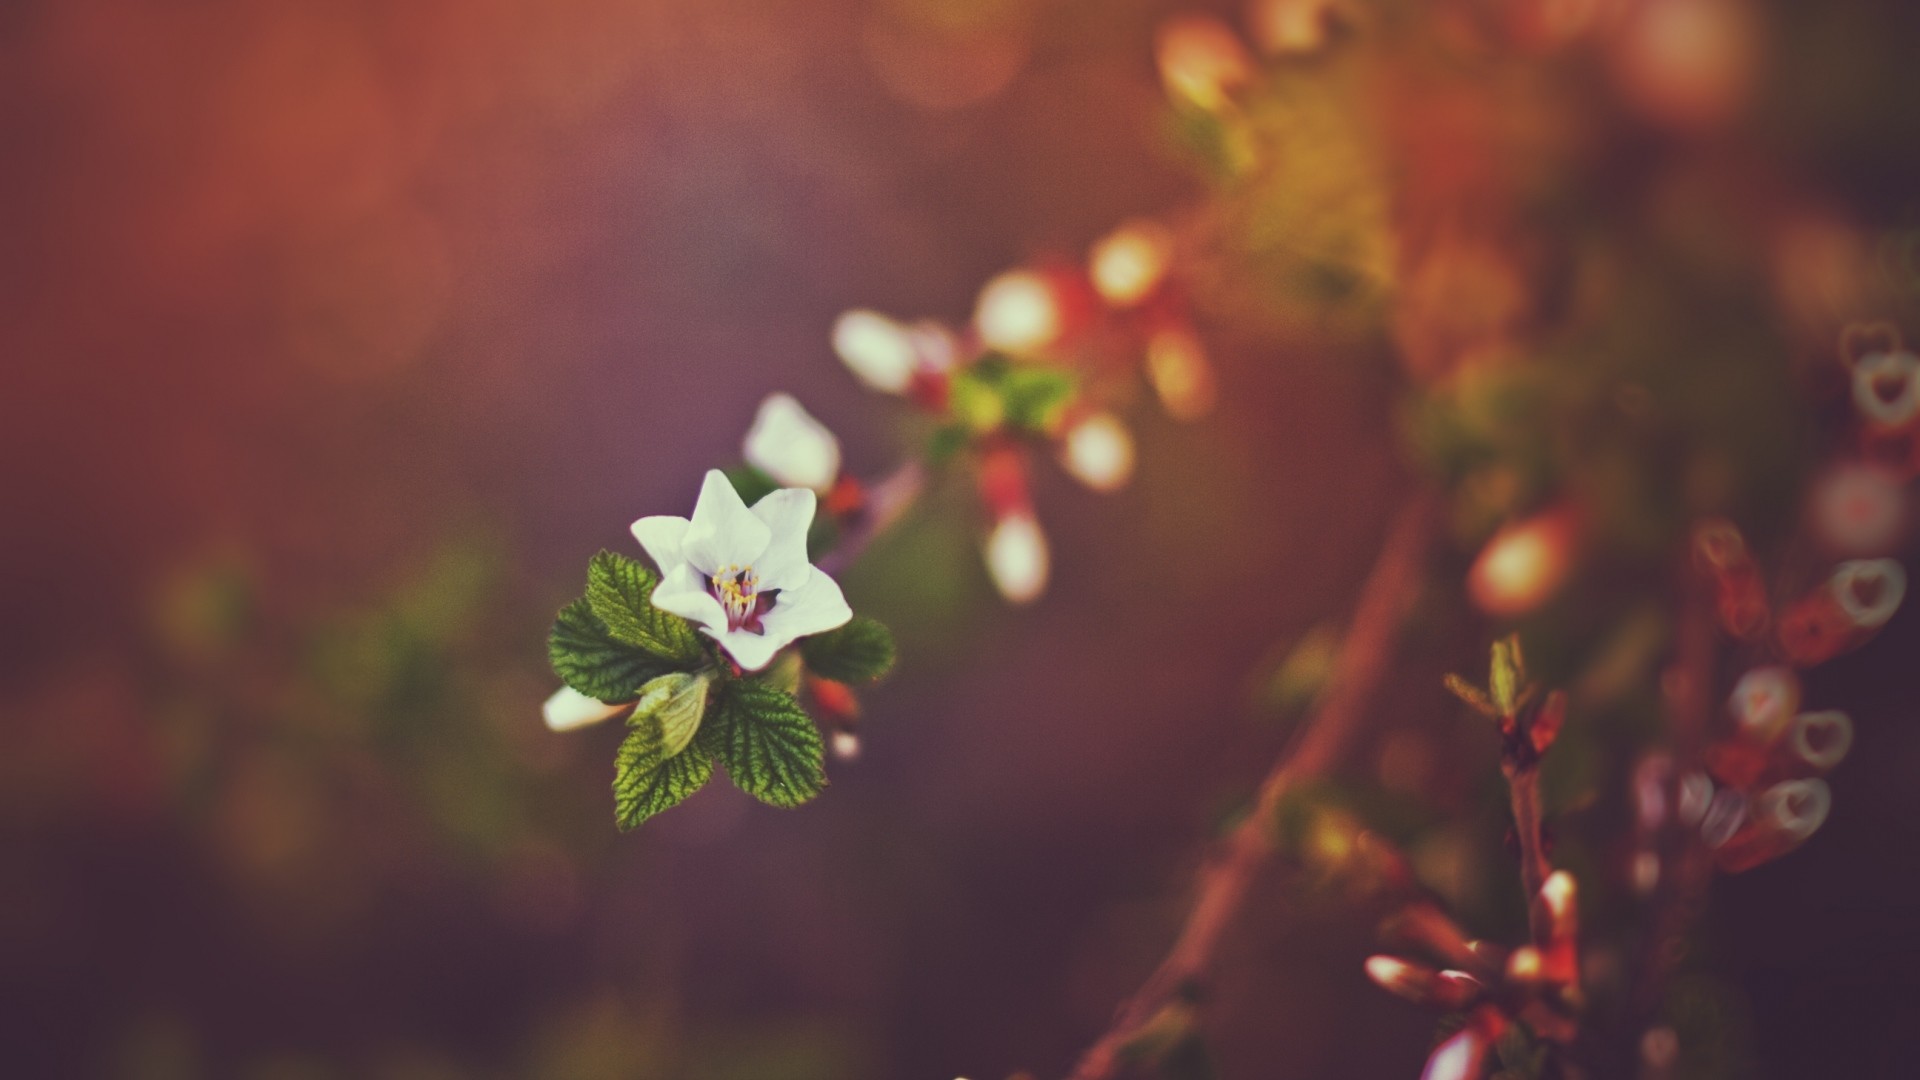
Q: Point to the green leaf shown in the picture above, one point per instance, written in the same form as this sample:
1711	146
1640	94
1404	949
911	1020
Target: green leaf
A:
588	658
676	702
1036	395
620	593
769	745
860	651
647	780
1508	674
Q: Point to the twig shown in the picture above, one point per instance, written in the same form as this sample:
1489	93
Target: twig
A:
1523	783
888	499
1390	589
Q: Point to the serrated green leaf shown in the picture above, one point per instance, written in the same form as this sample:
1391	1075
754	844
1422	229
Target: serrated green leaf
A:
620	594
860	651
770	747
676	702
587	657
647	781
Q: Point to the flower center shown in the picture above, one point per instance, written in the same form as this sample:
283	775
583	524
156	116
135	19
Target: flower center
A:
738	590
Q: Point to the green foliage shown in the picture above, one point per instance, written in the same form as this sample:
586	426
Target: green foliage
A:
588	658
620	592
860	651
647	778
770	747
996	392
1508	675
1522	1057
677	702
612	641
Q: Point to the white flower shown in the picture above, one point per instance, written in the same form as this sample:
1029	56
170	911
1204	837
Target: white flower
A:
1098	451
742	575
790	446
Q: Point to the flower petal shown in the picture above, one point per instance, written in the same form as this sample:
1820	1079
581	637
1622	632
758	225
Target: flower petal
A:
723	531
813	608
683	593
751	651
661	537
788	514
569	708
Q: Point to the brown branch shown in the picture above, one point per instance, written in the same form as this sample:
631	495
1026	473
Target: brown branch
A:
1390	589
888	499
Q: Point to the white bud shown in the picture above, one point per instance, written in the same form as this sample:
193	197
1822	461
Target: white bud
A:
1017	312
1130	262
790	446
1886	388
1098	451
1869	590
879	351
568	709
1017	558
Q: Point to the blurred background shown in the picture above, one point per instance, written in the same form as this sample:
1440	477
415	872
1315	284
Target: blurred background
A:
338	335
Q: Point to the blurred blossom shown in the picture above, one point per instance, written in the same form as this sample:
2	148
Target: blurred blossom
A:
1128	264
1763	702
1098	451
1018	311
1201	60
1017	557
846	746
1687	63
946	62
1886	388
790	446
878	350
1858	509
1181	373
1821	739
1869	590
1279	27
568	709
1524	564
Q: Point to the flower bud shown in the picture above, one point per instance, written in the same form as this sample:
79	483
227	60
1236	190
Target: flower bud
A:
1740	597
1408	980
1695	795
568	709
1017	558
1725	814
1181	374
1129	263
1784	816
791	447
1281	27
879	351
1886	388
1201	61
1763	703
1523	565
1820	740
1098	451
1019	312
1857	600
846	746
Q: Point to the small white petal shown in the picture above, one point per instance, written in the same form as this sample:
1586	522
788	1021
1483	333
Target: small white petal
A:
660	537
877	350
568	709
684	593
723	532
1017	558
788	514
792	447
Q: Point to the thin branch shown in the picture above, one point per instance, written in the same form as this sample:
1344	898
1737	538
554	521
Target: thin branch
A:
888	499
1390	589
1524	785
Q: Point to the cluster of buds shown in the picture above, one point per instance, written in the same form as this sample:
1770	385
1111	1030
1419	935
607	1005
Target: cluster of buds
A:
1494	989
1860	505
1841	613
1031	370
1764	793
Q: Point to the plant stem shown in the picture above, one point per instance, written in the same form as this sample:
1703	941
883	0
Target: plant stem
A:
1389	591
888	499
1524	785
